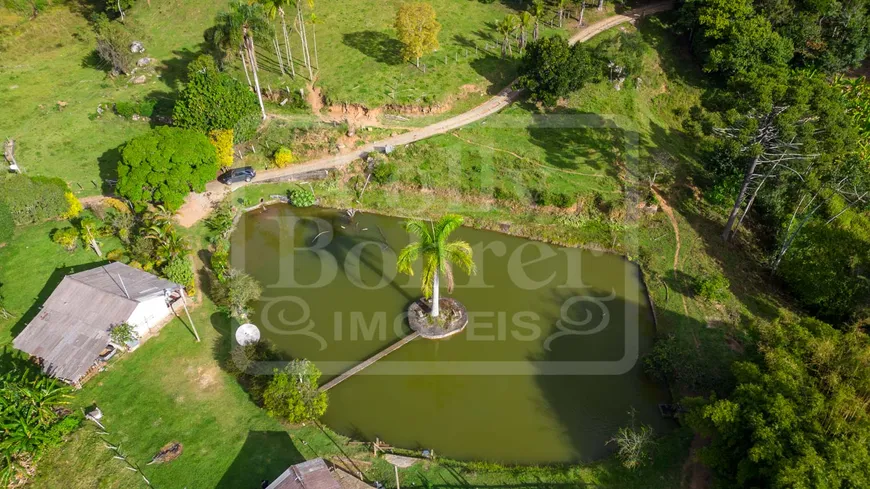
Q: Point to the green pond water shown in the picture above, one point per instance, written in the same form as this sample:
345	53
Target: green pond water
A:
546	371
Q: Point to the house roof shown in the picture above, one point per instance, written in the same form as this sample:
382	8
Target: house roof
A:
312	474
73	326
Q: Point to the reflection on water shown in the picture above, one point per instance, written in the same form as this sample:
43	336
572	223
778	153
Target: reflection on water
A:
546	371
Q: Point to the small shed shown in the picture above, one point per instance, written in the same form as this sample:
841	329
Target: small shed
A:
312	474
72	328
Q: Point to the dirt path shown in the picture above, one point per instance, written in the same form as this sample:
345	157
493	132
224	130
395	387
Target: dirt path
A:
197	206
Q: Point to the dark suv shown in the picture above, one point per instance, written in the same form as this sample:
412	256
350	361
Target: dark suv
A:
235	175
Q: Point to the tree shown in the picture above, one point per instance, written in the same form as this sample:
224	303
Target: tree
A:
275	8
89	229
438	254
505	28
121	334
293	395
164	165
417	30
67	237
798	416
551	68
560	7
239	28
180	271
526	21
537	12
212	101
36	199
113	44
303	35
634	445
236	291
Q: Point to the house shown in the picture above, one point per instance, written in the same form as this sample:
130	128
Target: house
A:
71	330
312	474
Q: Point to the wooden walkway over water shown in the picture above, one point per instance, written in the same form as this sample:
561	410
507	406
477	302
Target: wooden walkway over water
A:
369	361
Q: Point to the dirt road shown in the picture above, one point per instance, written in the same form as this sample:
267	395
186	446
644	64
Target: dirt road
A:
197	206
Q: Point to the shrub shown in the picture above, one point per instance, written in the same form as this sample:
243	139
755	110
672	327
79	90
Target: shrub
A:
504	191
128	109
563	199
122	334
635	445
113	43
384	173
301	197
222	140
34	199
713	288
283	157
222	219
67	237
164	165
7	224
180	271
293	395
551	68
74	206
115	255
214	100
235	292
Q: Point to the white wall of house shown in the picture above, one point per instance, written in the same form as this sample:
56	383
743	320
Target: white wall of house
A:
148	314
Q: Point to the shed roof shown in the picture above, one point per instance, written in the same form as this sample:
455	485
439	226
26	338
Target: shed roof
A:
312	474
73	326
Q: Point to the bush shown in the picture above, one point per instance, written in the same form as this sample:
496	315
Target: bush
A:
67	237
122	334
180	271
551	68
222	140
292	393
235	293
74	206
7	224
33	200
301	197
713	288
213	100
283	157
128	109
113	44
563	199
222	219
115	255
164	165
384	173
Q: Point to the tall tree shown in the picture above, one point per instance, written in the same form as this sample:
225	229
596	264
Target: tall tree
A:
278	8
505	28
526	21
438	254
303	36
240	26
417	29
537	13
560	7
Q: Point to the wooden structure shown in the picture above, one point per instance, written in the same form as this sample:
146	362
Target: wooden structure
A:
369	361
312	474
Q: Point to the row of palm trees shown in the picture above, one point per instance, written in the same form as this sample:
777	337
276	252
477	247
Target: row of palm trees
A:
238	29
517	26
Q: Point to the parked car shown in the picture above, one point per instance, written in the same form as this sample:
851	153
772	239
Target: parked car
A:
235	175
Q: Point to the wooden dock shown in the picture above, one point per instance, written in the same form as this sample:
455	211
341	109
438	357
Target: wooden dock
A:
369	361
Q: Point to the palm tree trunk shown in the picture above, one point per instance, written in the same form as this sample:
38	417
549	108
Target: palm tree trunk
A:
245	65
435	297
287	44
600	4
537	24
303	36
314	36
278	54
249	44
582	11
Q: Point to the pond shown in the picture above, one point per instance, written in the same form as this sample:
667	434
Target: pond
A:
546	371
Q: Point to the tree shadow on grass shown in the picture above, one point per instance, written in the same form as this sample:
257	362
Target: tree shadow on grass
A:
263	456
574	140
173	71
108	164
53	281
376	45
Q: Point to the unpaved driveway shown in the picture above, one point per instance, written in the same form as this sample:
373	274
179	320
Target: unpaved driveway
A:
197	206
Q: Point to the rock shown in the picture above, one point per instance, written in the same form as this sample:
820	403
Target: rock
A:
143	62
137	47
100	109
135	117
138	80
351	132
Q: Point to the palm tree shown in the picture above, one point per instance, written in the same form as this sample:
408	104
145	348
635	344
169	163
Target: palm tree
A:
506	27
438	254
239	27
303	36
278	8
526	20
560	4
314	20
537	12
